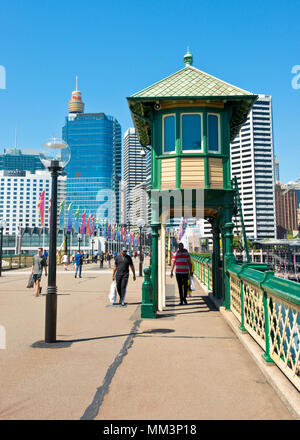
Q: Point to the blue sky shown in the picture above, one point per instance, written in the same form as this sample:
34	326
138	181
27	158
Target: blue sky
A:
119	47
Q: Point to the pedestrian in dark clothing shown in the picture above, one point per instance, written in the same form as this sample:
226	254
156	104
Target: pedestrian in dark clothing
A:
121	273
101	259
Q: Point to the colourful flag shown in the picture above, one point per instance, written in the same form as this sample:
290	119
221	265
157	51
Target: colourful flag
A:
61	214
88	229
41	206
93	225
76	216
70	218
82	227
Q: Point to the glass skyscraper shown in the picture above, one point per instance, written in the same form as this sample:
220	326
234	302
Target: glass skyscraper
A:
21	160
94	171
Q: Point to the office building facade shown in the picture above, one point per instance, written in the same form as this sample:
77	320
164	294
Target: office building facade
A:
134	170
21	160
94	170
252	162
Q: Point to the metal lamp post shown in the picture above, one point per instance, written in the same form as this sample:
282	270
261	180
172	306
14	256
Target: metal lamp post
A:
54	156
140	223
79	236
2	226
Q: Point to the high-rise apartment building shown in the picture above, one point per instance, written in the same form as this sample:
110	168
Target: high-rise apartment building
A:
94	170
134	170
19	195
252	162
286	209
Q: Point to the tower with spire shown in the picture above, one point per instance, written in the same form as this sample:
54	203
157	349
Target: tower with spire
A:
76	105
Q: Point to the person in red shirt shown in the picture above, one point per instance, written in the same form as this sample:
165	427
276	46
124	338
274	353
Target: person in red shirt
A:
182	260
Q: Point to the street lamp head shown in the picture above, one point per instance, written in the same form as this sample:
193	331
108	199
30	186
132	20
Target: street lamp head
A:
140	222
55	154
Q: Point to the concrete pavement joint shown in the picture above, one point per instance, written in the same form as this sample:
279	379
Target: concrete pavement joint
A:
93	409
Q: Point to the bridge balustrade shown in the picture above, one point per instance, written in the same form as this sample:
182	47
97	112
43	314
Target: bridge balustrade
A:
267	307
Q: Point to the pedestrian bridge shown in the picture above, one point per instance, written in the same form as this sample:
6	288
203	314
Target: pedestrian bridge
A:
188	364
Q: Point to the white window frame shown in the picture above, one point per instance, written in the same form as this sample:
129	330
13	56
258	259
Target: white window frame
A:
163	133
191	151
219	134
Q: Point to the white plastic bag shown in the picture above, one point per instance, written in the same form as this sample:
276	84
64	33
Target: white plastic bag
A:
192	284
113	292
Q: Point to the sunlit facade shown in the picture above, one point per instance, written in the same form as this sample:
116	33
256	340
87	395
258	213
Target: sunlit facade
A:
94	171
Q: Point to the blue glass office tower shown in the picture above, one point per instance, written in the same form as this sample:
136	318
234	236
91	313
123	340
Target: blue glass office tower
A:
94	171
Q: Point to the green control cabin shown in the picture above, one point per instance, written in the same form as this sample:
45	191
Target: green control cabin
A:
188	121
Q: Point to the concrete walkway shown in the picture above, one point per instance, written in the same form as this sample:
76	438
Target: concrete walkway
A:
110	364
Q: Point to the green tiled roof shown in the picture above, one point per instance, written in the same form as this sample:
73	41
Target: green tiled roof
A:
189	83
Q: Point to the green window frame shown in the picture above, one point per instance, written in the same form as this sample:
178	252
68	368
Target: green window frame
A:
188	140
169	133
213	133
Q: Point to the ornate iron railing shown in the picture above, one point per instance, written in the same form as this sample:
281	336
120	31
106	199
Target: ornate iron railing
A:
268	308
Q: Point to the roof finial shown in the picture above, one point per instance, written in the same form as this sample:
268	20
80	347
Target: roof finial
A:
188	58
76	83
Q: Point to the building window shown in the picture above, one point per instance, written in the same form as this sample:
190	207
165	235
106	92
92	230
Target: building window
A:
168	133
191	132
213	132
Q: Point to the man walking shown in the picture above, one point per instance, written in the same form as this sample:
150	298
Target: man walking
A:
39	262
78	263
121	273
182	261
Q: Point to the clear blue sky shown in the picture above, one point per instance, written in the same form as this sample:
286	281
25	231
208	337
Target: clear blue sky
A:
118	47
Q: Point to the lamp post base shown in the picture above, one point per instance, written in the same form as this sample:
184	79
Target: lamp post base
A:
51	314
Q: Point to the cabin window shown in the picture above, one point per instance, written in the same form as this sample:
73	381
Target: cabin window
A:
213	133
168	133
191	132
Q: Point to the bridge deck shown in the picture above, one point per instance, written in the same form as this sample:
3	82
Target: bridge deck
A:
108	364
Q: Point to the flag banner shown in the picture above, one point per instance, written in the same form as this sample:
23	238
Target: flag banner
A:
76	217
93	225
61	215
82	227
70	213
88	228
41	206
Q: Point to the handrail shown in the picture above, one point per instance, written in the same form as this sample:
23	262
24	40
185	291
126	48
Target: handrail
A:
268	308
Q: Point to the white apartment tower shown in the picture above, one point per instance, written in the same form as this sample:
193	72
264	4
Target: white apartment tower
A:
252	162
134	170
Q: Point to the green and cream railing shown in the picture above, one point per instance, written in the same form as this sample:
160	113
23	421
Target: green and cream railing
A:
268	308
203	269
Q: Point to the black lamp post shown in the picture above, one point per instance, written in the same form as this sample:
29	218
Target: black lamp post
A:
2	226
55	157
140	223
93	241
79	241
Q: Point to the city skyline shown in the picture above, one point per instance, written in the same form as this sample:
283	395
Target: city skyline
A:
34	100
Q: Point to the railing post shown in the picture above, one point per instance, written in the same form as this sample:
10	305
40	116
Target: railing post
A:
208	283
266	356
147	308
242	326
